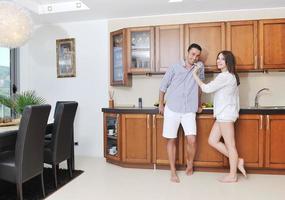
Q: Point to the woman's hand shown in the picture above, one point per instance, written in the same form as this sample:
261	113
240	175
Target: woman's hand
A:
196	69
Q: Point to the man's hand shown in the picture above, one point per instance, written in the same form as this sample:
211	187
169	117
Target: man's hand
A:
161	108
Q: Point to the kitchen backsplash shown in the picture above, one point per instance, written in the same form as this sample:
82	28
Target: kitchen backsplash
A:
147	88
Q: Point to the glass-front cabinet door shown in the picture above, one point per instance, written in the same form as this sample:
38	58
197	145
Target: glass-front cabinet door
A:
140	50
118	70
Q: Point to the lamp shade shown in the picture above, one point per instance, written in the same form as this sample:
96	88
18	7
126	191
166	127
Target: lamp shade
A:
16	25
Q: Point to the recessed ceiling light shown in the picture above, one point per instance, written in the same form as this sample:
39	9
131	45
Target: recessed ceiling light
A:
62	7
174	1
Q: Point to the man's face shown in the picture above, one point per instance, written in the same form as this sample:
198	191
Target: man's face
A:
193	56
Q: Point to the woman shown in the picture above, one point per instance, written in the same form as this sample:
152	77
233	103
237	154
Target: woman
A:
226	111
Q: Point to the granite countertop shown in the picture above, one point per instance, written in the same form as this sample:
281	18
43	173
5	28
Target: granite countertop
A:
266	110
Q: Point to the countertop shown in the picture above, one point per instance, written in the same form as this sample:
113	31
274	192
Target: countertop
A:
270	110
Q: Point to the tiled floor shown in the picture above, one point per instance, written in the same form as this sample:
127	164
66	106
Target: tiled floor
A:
103	181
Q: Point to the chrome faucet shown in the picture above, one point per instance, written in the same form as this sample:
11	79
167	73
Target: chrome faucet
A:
256	104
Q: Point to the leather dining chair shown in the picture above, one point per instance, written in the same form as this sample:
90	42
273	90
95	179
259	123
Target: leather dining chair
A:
26	161
59	147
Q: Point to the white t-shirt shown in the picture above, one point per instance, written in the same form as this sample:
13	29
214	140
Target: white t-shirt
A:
226	94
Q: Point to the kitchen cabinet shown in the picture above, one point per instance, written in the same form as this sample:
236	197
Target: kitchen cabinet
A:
250	138
272	45
206	156
275	141
112	136
169	46
140	50
159	143
118	62
136	138
241	39
211	37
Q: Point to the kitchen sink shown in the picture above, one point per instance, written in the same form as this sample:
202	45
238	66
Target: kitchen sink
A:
267	107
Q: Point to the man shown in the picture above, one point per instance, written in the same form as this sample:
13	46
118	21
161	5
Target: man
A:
183	98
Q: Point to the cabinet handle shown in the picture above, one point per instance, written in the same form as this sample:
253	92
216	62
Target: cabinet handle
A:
261	62
267	122
261	123
147	121
255	62
153	121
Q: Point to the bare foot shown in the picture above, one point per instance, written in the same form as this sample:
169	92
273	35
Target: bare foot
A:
174	178
189	169
228	179
241	167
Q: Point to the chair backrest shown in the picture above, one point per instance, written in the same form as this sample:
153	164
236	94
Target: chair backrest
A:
30	141
61	140
58	103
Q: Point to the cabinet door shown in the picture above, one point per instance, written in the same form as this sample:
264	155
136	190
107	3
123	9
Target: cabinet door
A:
206	156
159	150
136	138
242	41
272	45
275	141
249	135
169	44
140	45
118	63
211	37
112	136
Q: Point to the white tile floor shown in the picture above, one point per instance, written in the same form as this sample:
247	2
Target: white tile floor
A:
104	181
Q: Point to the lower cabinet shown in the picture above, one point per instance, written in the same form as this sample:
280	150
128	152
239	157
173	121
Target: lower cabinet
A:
136	138
159	143
275	142
249	135
206	156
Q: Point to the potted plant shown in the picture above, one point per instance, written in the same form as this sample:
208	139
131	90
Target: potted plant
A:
20	100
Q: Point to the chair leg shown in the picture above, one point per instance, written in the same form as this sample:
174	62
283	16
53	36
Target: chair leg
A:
69	166
19	191
43	185
54	167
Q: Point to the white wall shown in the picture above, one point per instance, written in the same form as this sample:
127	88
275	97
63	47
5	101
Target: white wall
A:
89	87
147	87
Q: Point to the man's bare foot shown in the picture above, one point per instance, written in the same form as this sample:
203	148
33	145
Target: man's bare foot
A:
174	178
228	179
189	169
241	167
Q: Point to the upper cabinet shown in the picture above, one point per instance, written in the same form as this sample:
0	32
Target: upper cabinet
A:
118	70
241	39
272	44
140	49
169	46
211	37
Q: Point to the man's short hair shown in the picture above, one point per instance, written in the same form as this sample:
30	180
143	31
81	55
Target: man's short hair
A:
196	46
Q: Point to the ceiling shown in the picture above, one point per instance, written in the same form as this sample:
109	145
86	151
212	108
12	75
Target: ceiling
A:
106	9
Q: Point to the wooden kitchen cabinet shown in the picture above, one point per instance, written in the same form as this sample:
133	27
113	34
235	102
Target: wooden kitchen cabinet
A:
159	151
136	138
118	63
249	135
211	37
275	141
272	45
206	156
112	136
140	50
241	39
169	46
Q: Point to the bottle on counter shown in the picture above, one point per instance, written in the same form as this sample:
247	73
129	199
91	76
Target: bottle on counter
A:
140	102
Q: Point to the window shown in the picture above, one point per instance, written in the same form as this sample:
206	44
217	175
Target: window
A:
8	76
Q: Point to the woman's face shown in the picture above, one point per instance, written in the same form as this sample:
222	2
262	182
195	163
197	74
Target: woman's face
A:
221	63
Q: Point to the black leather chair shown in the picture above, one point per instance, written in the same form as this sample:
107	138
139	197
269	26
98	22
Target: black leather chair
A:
26	161
59	147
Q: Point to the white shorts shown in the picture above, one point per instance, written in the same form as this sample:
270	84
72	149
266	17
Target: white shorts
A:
172	121
227	115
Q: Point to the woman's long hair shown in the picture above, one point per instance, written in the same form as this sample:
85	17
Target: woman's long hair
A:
230	63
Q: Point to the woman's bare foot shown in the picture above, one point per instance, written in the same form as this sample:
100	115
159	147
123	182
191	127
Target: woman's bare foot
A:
241	167
228	179
189	169
174	178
